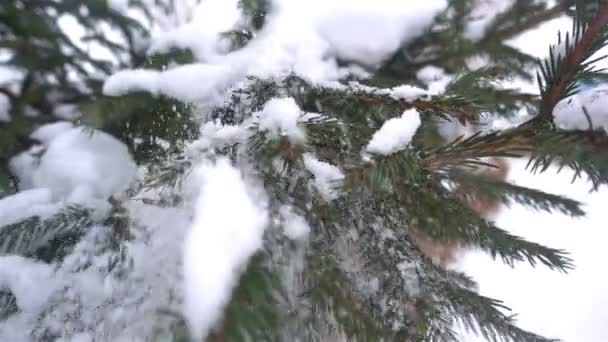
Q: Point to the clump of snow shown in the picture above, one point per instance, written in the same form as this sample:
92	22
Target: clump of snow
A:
46	133
402	92
136	80
24	277
66	112
219	244
364	31
5	108
327	176
34	202
213	134
435	78
570	115
71	166
202	32
77	157
408	92
294	225
280	117
119	5
483	15
10	77
189	83
297	38
395	134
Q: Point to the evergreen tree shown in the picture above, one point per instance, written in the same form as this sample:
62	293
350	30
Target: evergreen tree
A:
362	272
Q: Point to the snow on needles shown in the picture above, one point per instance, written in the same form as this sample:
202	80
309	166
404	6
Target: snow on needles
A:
74	158
306	38
327	176
23	277
280	117
71	165
395	134
294	225
202	33
297	38
227	230
570	115
5	108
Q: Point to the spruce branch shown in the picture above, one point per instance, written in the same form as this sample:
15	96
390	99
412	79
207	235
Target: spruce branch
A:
45	239
478	314
558	73
469	152
449	299
577	150
8	305
455	106
482	187
511	248
443	217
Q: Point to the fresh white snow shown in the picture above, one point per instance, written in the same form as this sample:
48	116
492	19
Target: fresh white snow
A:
327	176
295	226
297	38
34	202
395	134
202	32
73	165
79	157
227	230
24	277
280	117
119	5
569	113
5	108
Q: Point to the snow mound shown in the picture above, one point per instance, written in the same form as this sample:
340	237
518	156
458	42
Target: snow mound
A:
5	108
327	176
280	117
76	157
395	134
297	38
295	226
23	277
202	33
570	115
219	244
71	166
34	202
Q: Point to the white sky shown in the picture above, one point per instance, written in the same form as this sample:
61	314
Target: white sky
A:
572	307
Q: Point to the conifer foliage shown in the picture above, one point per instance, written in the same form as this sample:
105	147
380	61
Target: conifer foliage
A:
306	204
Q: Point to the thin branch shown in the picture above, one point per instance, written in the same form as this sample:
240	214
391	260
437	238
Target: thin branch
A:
575	56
